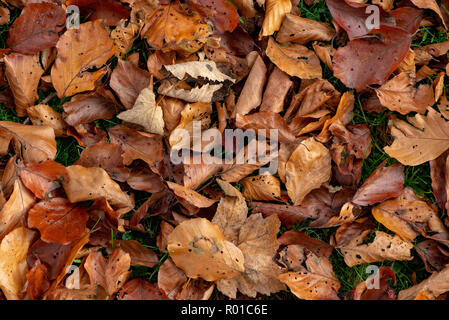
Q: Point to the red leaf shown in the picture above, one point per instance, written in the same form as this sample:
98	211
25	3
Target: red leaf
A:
43	178
352	17
223	13
371	59
36	28
58	220
407	18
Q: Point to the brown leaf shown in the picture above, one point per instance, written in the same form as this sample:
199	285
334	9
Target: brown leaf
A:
408	218
94	183
43	178
199	248
265	120
58	220
262	187
275	11
385	47
308	167
318	247
140	289
384	247
110	11
251	95
36	28
137	144
107	156
13	266
192	197
431	5
162	29
383	292
431	287
139	254
85	108
110	274
384	183
79	50
295	59
14	210
424	139
301	30
23	73
128	81
278	85
431	253
37	283
44	115
399	94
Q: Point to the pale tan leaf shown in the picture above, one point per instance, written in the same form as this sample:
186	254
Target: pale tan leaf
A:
275	11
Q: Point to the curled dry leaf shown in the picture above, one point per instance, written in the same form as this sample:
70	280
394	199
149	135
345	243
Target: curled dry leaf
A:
192	197
408	219
275	11
424	139
139	254
277	88
296	60
367	290
78	51
145	113
308	167
199	248
13	266
58	220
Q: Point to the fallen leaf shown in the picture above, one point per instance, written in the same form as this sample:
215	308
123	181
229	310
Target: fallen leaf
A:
140	289
275	12
199	248
76	56
308	167
302	30
296	60
261	187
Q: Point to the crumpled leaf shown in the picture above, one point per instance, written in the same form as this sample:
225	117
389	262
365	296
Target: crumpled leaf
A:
424	139
204	68
145	113
190	196
139	254
44	115
308	167
79	50
276	90
13	266
363	291
408	219
58	220
295	59
275	11
35	143
199	248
